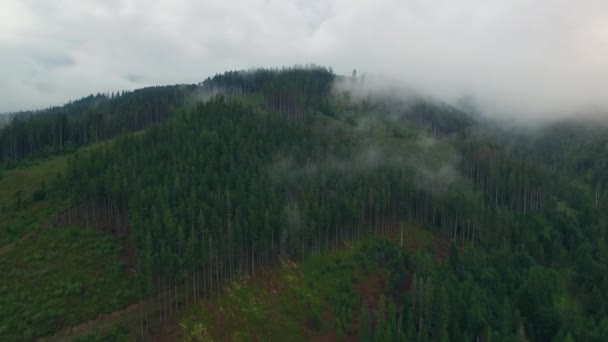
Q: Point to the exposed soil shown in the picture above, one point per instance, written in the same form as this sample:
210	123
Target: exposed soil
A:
441	249
370	289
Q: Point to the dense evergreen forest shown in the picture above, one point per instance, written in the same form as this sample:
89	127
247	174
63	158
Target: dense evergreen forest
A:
247	169
85	121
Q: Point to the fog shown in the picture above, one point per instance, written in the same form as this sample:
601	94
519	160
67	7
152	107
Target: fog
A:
373	112
522	59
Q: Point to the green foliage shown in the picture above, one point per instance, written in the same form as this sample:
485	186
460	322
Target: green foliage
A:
319	297
85	121
278	168
118	334
39	194
25	197
59	278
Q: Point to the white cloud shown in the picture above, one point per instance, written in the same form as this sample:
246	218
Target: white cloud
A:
544	57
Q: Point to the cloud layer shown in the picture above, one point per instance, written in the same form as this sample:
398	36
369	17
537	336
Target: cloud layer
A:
531	58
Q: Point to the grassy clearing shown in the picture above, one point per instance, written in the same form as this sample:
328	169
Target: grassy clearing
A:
28	178
52	277
318	299
26	198
273	304
24	204
58	278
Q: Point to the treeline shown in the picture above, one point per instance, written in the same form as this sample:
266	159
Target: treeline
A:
88	120
290	91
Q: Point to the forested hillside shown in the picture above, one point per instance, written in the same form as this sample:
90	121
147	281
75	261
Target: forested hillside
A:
197	189
85	121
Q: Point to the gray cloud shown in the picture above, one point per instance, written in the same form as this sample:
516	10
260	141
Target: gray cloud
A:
530	58
133	78
54	61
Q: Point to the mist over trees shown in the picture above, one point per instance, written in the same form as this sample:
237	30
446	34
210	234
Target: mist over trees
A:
247	168
211	209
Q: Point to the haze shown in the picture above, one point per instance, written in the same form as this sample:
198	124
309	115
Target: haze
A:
526	58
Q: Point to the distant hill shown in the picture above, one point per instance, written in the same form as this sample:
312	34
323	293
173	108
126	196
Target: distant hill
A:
87	120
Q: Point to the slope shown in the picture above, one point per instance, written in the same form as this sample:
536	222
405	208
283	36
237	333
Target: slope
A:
282	166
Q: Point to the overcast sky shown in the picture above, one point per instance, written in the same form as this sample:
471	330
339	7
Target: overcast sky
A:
532	57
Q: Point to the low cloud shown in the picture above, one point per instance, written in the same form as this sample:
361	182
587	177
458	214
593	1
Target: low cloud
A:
133	78
519	58
55	61
433	167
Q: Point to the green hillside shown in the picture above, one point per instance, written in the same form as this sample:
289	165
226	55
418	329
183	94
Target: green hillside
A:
291	205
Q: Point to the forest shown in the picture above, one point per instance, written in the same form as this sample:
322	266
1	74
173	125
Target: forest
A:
467	231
